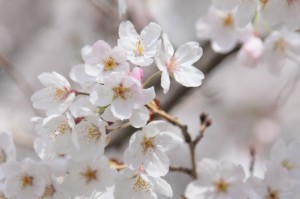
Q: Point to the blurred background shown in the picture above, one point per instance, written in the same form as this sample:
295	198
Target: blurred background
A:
249	107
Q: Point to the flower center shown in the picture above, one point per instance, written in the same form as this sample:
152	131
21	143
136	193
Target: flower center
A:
287	164
2	156
140	184
139	48
221	186
93	133
59	93
228	20
148	144
171	65
280	45
109	64
121	92
62	128
89	175
48	192
26	181
272	194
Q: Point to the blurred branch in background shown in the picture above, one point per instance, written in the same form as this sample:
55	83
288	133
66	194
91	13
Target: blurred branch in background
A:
18	79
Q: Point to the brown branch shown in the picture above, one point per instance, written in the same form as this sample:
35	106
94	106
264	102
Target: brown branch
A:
181	169
184	132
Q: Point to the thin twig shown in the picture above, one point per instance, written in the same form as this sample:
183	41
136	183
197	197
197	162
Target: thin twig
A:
181	169
252	160
184	132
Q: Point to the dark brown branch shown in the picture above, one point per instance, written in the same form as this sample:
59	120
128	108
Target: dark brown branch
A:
181	169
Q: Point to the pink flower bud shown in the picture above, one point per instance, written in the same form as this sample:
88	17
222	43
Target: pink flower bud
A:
137	73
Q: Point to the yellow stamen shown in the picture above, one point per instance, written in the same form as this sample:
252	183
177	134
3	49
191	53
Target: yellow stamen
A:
26	181
2	156
272	194
140	184
228	20
148	144
48	192
89	175
109	64
139	49
121	92
221	186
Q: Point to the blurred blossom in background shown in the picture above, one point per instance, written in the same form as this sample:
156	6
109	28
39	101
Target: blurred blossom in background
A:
44	36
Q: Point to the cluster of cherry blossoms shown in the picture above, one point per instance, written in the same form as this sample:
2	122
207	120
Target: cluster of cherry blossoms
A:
73	136
266	29
226	180
111	94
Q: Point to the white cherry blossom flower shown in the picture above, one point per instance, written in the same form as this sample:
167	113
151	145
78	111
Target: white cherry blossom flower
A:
140	48
56	97
276	184
23	180
220	26
122	93
102	60
7	150
217	181
179	64
245	9
148	147
287	157
84	178
282	12
59	129
139	185
139	117
281	50
91	137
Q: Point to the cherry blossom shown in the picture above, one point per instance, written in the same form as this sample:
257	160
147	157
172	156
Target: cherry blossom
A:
57	95
179	64
23	180
217	181
220	26
281	50
132	184
59	128
91	136
86	177
7	150
148	147
287	157
122	93
102	60
140	48
276	184
287	13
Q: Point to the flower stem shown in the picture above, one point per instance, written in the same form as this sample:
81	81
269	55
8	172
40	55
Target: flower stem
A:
148	81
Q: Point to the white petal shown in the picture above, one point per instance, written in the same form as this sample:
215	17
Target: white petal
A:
188	76
162	186
167	141
156	163
169	50
165	81
188	53
121	109
101	95
127	29
139	117
149	94
150	33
